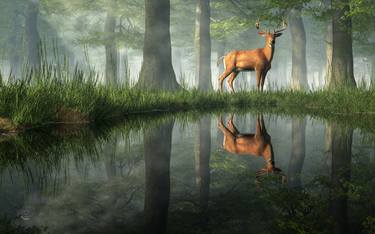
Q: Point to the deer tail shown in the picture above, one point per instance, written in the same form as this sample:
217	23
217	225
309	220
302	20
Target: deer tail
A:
219	60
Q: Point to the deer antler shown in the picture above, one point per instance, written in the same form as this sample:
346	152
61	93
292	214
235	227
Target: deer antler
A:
285	26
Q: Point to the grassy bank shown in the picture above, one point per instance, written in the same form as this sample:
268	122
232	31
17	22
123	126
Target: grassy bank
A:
37	102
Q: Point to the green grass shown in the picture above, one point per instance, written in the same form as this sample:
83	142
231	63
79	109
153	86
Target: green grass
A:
40	98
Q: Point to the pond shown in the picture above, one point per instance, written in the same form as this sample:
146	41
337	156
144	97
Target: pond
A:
219	173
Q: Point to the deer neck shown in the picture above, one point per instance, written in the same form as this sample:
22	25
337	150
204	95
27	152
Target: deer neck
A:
268	51
268	156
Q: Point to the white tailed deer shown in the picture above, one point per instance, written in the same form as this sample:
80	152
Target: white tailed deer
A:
255	144
258	60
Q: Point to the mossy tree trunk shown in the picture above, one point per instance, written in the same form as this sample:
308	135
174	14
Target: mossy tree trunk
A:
341	144
299	69
157	154
342	50
203	45
157	71
202	165
111	52
31	33
298	152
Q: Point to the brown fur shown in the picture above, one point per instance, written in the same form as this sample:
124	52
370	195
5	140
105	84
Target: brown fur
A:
256	144
258	60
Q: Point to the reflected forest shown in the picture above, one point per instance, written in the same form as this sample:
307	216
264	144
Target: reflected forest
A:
195	116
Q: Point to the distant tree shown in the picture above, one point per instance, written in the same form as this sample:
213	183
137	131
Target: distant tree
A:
31	32
203	45
157	71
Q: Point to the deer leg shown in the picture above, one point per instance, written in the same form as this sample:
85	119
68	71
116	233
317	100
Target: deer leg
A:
232	127
222	78
258	75
263	78
231	79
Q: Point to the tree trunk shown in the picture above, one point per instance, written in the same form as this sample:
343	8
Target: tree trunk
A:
298	152
31	33
299	70
111	53
219	59
157	153
342	51
203	45
341	143
329	48
157	71
15	41
202	165
372	70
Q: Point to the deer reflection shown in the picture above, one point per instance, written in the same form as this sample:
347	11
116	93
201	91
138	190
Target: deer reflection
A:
255	144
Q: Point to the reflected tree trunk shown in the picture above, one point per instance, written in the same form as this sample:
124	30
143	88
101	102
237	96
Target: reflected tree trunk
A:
342	50
111	53
110	158
157	71
157	153
202	164
31	33
298	152
203	45
341	144
299	69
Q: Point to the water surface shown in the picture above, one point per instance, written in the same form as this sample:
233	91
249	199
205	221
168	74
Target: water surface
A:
229	173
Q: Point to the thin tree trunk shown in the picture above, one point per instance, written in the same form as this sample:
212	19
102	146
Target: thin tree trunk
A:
31	33
15	40
329	48
202	165
298	152
341	143
157	71
372	70
299	69
203	45
111	53
157	154
342	51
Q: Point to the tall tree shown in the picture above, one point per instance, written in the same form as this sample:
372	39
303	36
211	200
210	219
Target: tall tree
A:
157	154
111	53
31	33
157	71
342	48
299	68
203	45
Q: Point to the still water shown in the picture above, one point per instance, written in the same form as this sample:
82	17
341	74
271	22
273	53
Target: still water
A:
242	173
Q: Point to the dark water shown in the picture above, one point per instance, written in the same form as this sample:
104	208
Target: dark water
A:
255	174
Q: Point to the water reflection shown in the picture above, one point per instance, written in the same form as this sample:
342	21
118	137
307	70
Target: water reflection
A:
157	154
340	139
254	144
152	180
298	152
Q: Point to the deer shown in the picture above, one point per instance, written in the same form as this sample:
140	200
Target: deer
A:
252	144
258	60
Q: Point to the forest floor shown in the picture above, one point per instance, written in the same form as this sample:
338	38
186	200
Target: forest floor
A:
25	105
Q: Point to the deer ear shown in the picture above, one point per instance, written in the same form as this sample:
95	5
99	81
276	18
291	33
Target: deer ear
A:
261	34
278	34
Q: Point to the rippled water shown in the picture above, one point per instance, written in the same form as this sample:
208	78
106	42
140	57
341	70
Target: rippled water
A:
245	173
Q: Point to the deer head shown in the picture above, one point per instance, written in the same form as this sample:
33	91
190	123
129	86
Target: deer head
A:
270	36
